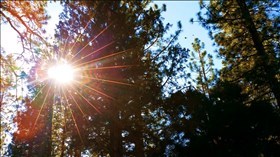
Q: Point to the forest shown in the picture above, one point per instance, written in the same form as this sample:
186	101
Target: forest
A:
114	81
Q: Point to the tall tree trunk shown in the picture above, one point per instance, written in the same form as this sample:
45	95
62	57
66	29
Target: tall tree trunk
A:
63	135
46	144
139	145
115	134
270	74
43	141
203	71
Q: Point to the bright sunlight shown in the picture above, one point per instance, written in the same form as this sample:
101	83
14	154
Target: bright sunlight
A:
61	73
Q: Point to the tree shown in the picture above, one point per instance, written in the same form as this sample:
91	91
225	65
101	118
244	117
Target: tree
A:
246	32
104	113
204	69
125	32
10	96
26	18
234	128
225	125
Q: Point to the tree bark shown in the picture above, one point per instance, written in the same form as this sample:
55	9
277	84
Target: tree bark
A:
115	134
139	145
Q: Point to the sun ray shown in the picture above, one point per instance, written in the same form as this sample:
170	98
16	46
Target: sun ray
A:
95	51
88	102
104	57
37	118
97	91
64	47
38	93
110	67
37	81
76	125
75	102
79	35
66	42
109	81
61	53
92	40
33	83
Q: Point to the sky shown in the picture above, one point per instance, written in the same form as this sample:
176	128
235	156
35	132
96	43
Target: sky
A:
183	11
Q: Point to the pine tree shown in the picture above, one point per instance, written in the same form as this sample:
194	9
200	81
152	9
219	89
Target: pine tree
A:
247	36
201	67
116	33
228	126
10	96
27	19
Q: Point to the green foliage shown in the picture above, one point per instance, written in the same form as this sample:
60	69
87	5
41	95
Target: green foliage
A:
27	19
204	69
247	36
10	96
106	35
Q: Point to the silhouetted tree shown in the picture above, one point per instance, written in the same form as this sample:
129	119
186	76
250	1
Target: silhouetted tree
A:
235	128
225	125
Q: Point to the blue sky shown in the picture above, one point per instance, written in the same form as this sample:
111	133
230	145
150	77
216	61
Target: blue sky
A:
183	11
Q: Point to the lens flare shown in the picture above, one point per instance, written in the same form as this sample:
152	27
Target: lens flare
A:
61	73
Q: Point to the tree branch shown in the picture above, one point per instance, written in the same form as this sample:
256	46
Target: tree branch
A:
24	24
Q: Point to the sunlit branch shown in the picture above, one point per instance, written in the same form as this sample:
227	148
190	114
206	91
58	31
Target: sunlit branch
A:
104	57
41	108
108	81
96	90
64	48
13	13
90	40
95	51
11	24
88	102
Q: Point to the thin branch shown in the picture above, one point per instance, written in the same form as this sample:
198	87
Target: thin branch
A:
170	42
152	43
166	81
24	24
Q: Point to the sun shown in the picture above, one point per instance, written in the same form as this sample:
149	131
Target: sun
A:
61	73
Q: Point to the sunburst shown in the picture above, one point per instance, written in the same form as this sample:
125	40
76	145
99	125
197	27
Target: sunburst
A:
67	78
62	73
